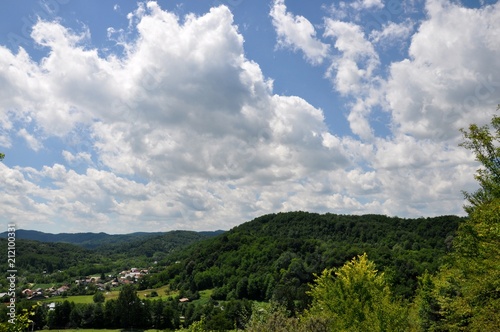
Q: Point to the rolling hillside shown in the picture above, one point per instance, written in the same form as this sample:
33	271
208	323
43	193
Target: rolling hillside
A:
275	256
95	240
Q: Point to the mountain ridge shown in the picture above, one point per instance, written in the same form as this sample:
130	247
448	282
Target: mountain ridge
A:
91	240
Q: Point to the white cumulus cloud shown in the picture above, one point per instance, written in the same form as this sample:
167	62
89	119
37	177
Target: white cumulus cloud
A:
297	33
187	133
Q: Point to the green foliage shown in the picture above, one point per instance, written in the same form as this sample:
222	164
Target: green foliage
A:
274	318
485	143
159	241
153	246
21	322
129	307
465	294
2	156
99	297
51	257
425	308
356	297
467	290
275	256
272	258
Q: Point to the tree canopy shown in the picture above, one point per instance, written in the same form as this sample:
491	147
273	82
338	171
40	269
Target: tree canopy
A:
484	142
465	294
356	297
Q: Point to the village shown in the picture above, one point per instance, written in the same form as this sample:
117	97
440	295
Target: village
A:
97	283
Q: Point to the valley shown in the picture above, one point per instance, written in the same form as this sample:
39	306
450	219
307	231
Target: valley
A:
219	277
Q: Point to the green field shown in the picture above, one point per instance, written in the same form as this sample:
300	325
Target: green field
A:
42	286
87	330
204	296
101	330
162	294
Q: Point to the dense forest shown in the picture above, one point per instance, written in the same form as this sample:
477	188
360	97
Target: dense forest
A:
89	253
114	242
301	271
275	257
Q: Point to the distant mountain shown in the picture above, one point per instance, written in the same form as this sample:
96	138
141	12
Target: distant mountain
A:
156	246
82	254
95	240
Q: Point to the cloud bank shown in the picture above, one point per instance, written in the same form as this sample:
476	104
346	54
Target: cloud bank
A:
187	133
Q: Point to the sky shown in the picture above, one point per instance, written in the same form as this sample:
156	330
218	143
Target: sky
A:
123	116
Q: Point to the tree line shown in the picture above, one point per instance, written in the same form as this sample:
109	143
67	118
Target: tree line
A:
130	312
275	257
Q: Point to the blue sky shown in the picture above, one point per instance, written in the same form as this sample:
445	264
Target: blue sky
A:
146	116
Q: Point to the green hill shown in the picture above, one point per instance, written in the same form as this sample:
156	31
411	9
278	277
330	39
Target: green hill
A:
96	240
275	256
84	254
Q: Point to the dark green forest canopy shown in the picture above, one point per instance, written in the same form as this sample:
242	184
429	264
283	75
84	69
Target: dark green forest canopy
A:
271	258
115	242
84	254
275	256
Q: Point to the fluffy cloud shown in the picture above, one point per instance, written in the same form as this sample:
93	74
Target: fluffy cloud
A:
297	33
450	79
185	133
447	82
367	4
188	133
392	32
31	141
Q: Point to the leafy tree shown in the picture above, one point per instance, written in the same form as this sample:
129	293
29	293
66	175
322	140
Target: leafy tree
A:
274	318
62	314
98	297
467	290
2	156
111	314
355	297
22	321
465	294
129	307
98	316
484	141
425	308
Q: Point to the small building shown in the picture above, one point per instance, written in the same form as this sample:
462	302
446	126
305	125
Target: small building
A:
61	290
37	296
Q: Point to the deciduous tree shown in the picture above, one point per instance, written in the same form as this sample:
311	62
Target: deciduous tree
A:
129	307
465	294
356	297
484	141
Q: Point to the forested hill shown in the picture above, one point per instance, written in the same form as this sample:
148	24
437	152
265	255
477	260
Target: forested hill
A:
96	240
275	256
83	254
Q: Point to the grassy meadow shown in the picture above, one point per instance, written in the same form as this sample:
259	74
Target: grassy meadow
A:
164	292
